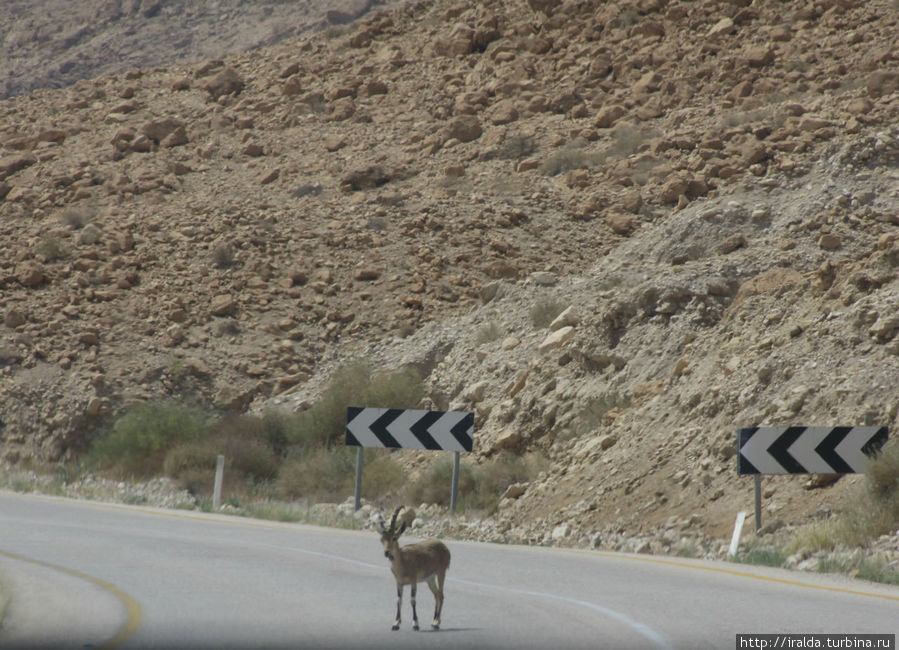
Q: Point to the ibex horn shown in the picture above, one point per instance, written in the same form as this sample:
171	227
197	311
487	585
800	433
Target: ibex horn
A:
393	520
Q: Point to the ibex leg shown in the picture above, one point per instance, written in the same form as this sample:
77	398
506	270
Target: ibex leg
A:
414	612
399	603
437	590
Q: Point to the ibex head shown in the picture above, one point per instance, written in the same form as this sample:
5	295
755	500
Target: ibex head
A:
390	535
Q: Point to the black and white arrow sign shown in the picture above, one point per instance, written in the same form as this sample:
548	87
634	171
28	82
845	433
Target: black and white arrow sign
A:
807	450
409	429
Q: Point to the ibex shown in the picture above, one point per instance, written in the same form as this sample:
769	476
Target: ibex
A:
414	563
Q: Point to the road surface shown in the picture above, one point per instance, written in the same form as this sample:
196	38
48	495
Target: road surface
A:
85	574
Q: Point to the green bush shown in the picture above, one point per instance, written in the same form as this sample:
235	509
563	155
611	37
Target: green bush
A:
382	476
435	484
193	465
319	475
324	423
248	443
139	440
516	146
565	160
761	556
507	468
402	389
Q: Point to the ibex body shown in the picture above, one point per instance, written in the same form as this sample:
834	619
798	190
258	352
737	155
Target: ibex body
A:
422	562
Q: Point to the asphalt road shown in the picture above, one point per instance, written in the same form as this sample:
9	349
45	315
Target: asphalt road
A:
91	575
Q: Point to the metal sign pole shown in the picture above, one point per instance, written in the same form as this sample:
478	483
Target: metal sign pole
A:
455	493
758	502
358	491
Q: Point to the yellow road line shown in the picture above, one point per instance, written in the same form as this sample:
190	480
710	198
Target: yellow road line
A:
733	572
132	609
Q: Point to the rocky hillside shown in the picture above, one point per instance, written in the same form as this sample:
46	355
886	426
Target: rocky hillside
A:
708	189
54	43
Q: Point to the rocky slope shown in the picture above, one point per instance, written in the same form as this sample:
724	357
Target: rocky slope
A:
54	43
711	187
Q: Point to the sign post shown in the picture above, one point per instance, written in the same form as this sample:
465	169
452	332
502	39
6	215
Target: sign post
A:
455	493
409	429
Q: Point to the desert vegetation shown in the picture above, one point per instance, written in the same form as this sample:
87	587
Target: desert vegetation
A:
300	457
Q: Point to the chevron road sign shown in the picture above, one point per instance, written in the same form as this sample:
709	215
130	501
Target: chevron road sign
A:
409	429
807	450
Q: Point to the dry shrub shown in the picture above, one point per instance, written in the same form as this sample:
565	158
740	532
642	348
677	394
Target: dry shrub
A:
382	476
867	513
545	312
324	423
319	475
435	484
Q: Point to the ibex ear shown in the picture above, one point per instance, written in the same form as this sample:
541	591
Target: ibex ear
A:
381	523
400	531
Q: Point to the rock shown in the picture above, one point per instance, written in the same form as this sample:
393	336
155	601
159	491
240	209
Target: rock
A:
292	87
673	189
342	109
781	33
621	224
465	128
545	6
544	278
158	130
270	176
196	367
830	242
334	143
254	150
476	392
9	165
368	178
732	243
884	328
882	82
722	27
632	201
608	115
503	112
560	532
30	274
223	305
565	101
226	82
860	106
9	354
515	491
366	274
606	441
569	317
89	338
758	57
14	318
557	339
510	343
176	138
508	439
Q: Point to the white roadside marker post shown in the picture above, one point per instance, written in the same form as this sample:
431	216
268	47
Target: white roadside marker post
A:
738	530
217	490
